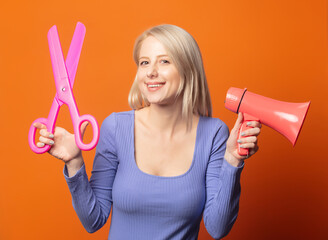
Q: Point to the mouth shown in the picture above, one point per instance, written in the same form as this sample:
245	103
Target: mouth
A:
154	86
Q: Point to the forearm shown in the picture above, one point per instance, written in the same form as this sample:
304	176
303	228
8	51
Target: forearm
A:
74	165
92	213
222	208
92	200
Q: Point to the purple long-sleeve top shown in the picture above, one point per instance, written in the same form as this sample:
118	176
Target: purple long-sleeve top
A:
146	206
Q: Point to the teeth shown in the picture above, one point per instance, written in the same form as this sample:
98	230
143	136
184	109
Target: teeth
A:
155	85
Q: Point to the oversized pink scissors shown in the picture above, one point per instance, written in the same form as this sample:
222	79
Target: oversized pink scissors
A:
64	74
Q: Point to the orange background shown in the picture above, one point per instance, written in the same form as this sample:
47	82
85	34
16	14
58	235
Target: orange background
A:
275	48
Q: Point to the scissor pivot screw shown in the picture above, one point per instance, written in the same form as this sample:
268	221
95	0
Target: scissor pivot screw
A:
63	89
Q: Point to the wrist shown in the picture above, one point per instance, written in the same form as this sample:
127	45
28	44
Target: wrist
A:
232	160
74	165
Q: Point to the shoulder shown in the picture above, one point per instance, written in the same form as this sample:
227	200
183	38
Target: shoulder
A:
118	122
214	126
215	133
117	117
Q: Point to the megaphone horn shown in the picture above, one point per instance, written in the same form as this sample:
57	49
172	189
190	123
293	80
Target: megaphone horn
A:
284	117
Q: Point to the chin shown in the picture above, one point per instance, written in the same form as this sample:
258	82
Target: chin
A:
162	101
156	101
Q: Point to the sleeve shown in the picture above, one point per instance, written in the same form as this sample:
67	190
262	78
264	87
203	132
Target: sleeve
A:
92	200
222	188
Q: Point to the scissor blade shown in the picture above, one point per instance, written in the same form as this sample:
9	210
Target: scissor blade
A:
57	60
74	52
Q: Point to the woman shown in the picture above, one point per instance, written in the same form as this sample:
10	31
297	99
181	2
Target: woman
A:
166	163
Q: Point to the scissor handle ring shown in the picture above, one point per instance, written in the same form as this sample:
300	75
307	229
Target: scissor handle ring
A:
95	129
31	136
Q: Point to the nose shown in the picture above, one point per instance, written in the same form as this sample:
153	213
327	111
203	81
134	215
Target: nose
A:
152	71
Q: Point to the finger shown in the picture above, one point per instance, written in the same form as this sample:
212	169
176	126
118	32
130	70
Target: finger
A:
45	133
46	140
254	124
251	132
84	127
238	122
39	125
248	145
39	144
251	139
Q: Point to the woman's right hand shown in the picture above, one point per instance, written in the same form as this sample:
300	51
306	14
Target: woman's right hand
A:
62	142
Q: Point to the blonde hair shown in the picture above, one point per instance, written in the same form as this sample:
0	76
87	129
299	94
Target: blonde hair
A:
185	54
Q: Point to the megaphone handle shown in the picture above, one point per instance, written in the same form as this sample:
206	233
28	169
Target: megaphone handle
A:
247	118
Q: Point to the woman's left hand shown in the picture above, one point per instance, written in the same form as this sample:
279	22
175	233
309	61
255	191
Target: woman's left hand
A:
250	141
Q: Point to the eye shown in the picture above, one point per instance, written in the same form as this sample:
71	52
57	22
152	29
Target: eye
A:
165	61
143	63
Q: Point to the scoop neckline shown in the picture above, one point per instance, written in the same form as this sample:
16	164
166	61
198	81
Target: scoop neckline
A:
164	177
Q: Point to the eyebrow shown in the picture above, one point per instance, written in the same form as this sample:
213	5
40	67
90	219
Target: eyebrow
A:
163	55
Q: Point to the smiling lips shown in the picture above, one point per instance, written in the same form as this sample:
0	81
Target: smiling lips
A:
154	86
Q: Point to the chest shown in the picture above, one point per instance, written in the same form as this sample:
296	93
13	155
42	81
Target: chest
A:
165	197
161	156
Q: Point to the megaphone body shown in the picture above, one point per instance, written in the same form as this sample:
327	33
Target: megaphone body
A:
284	117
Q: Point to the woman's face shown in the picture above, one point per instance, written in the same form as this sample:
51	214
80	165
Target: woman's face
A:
157	76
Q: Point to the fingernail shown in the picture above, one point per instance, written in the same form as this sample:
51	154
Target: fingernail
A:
41	145
242	146
51	142
242	134
248	123
51	135
239	141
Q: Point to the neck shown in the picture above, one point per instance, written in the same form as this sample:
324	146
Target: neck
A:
167	119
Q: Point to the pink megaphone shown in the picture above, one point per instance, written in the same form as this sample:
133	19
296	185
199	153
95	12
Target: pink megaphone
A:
284	117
